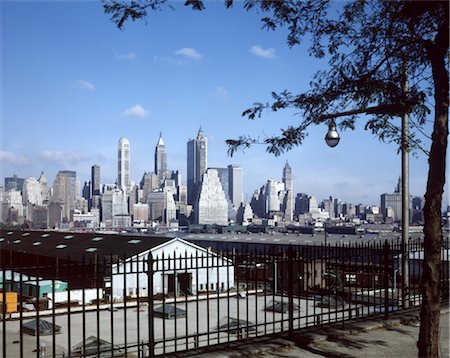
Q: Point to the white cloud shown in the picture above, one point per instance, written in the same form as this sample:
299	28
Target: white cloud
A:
262	52
131	55
63	158
14	158
86	85
222	93
189	52
168	60
137	111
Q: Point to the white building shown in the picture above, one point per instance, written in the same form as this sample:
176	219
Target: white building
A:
114	202
32	192
274	195
10	199
187	268
212	206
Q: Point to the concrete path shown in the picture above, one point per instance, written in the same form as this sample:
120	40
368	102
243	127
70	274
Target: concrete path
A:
377	338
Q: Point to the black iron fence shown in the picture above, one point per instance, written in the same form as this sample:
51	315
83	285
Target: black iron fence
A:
157	302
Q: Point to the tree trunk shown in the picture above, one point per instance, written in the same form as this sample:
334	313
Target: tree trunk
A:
428	343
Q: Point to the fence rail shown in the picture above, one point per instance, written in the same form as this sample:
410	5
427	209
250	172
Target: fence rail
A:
149	305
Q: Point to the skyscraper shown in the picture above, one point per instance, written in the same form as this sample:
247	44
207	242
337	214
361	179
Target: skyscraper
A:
235	184
95	180
288	198
160	159
66	191
196	164
123	164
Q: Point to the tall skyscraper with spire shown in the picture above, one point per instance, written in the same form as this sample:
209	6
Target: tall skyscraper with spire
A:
288	198
123	164
196	164
160	159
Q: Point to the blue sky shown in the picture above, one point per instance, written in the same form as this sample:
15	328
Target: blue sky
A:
73	84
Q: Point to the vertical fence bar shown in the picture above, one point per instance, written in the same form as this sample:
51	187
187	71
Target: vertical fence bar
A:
150	301
112	267
274	283
265	262
175	284
38	333
207	297
188	292
247	259
83	308
164	299
228	290
386	279
98	280
218	297
125	336
69	326
290	275
281	288
257	260
53	310
21	316
238	264
4	312
197	323
138	303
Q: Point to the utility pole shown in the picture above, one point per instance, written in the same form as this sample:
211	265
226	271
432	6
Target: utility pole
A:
405	192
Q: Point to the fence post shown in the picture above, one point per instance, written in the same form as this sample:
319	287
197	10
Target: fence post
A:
386	249
150	301
290	274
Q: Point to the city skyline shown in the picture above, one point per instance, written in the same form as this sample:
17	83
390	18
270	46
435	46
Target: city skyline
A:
152	78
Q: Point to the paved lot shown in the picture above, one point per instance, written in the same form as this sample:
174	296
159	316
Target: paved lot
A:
131	325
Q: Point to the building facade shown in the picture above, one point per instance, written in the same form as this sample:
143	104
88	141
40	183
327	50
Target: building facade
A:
123	165
209	273
197	151
66	191
212	206
236	184
288	204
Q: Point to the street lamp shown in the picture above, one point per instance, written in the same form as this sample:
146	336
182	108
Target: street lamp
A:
332	138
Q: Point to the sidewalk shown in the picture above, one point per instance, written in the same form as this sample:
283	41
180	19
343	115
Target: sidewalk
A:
371	337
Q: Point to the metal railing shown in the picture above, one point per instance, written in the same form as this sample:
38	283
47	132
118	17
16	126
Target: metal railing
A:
153	304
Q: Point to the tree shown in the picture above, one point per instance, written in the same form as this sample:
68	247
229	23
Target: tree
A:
371	46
